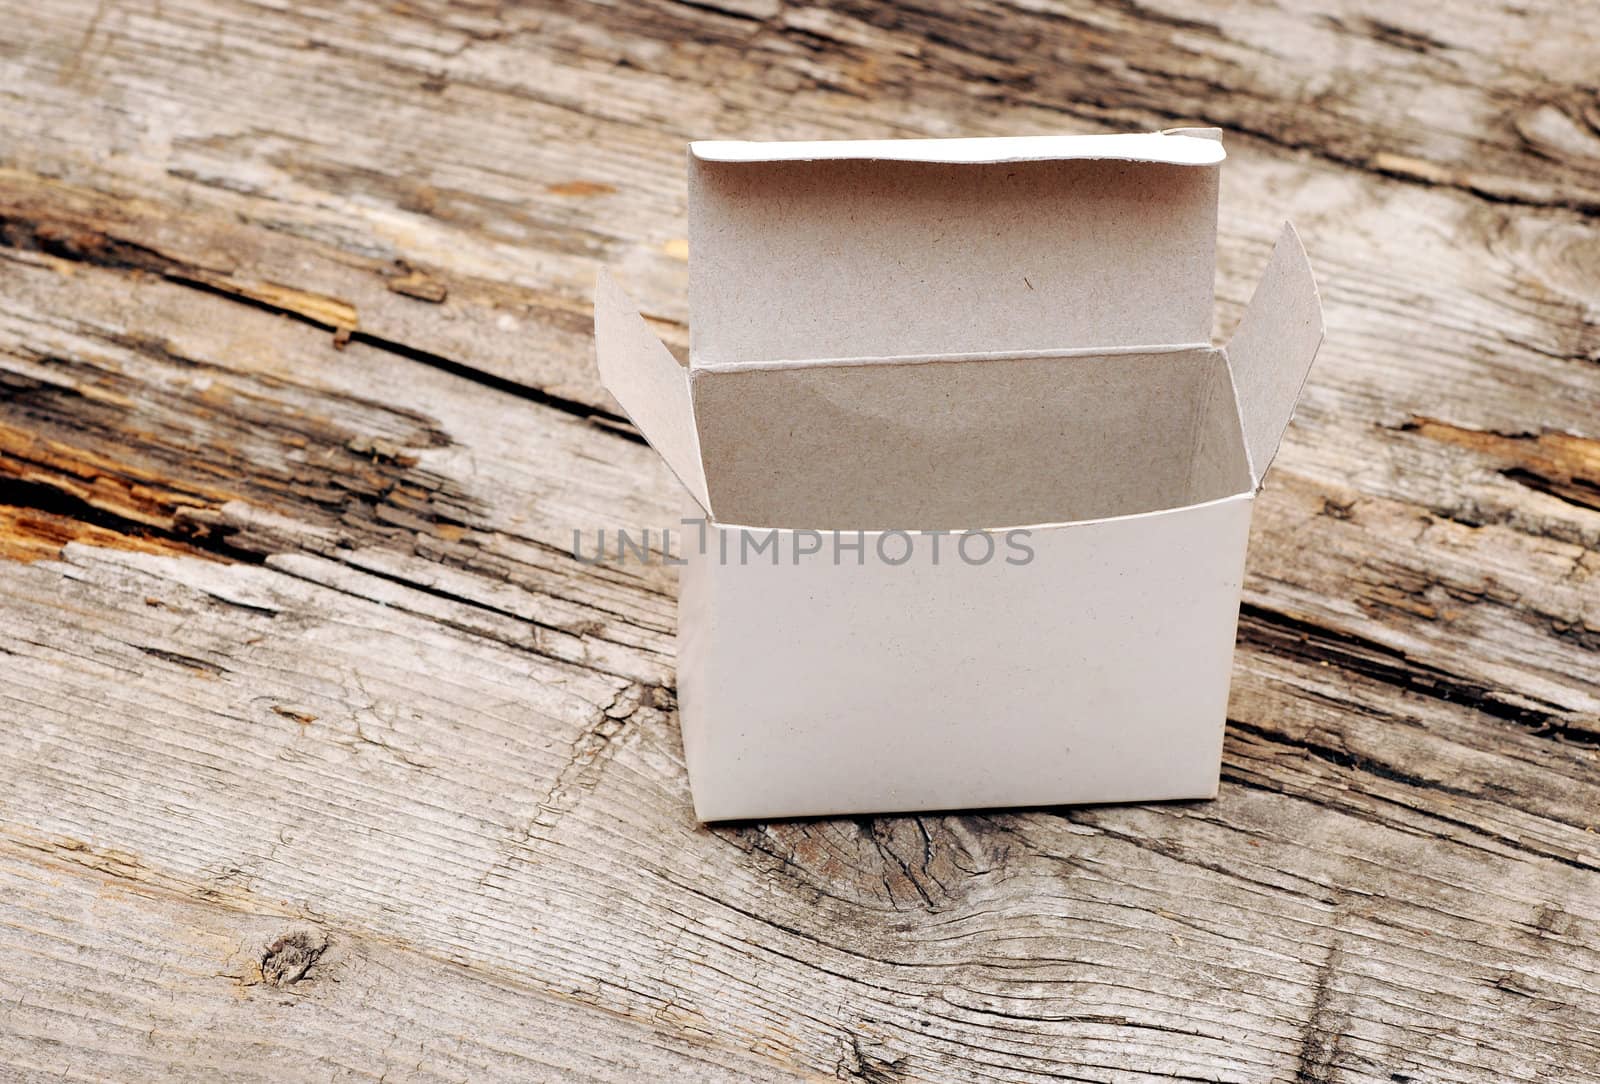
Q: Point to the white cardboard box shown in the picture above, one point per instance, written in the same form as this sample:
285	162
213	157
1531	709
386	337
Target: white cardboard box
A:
905	355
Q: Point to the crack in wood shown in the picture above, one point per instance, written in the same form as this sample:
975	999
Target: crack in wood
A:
868	1067
1296	637
1322	1038
1343	758
81	242
132	472
38	519
1562	465
188	662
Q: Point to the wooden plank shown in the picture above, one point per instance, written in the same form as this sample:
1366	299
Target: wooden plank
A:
117	975
533	786
539	147
296	641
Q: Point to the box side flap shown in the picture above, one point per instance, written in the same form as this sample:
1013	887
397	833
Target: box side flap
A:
647	380
1273	347
1179	147
1196	133
851	257
967	443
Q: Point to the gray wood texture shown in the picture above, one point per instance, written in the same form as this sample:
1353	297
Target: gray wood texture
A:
326	760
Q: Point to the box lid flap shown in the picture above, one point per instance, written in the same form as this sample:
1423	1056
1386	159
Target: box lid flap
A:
647	380
1179	147
1273	347
886	248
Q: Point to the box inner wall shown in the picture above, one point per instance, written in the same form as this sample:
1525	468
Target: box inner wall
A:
970	443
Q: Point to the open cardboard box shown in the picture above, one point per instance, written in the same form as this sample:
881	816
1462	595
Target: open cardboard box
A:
978	486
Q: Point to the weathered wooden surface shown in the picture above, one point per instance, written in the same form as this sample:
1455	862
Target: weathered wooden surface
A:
326	760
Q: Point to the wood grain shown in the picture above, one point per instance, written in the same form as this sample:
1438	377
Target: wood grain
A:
329	760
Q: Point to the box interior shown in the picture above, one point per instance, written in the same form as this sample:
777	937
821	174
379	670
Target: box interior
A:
929	335
939	444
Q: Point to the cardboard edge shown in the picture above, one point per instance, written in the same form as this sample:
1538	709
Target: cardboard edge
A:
1246	495
709	814
652	388
1181	147
698	367
1273	348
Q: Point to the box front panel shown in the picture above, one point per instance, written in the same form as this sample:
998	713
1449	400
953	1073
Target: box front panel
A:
1085	663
